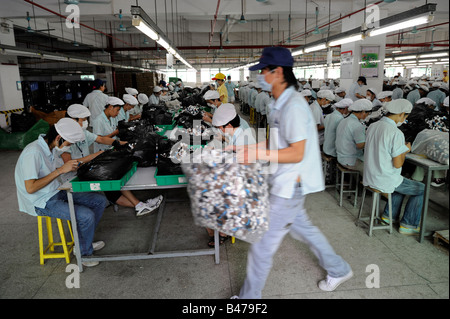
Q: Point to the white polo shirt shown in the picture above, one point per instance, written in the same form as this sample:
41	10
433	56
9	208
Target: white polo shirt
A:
291	121
384	141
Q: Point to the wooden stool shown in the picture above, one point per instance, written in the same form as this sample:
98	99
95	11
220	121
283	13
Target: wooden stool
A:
67	246
330	160
374	216
340	186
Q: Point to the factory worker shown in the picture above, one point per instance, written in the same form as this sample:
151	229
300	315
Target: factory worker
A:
307	86
351	136
154	98
354	92
302	82
398	91
445	104
178	86
420	92
106	123
307	95
427	102
260	104
331	123
37	183
80	152
143	100
132	92
96	100
254	96
437	95
251	93
130	103
221	88
294	146
319	107
371	95
445	78
162	84
384	157
230	89
384	97
339	94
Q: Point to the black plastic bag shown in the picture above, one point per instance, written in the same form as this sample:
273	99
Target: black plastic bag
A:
134	131
145	150
110	165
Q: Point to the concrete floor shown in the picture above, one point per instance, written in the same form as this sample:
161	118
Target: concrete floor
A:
408	269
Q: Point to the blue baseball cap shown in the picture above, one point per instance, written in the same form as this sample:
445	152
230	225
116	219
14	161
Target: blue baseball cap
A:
278	56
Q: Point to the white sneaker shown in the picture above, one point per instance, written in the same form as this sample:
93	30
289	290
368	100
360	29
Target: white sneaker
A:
234	297
90	263
98	245
143	209
155	201
330	284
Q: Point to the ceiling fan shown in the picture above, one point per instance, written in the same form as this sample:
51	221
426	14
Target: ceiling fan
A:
76	2
30	30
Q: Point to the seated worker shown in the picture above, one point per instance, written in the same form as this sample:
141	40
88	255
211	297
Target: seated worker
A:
324	99
132	91
124	113
228	122
154	98
97	99
384	97
415	95
340	94
331	123
106	123
37	184
351	136
212	99
137	110
80	151
371	95
384	157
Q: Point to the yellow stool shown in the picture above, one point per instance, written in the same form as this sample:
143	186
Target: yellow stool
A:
233	239
252	116
67	246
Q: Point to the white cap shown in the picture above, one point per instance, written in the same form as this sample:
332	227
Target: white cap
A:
257	85
307	86
157	89
426	101
446	102
384	94
211	95
165	88
112	100
130	99
373	91
131	91
78	111
444	86
339	90
70	130
325	94
178	82
399	106
224	114
143	98
361	105
436	84
402	82
171	87
424	87
342	104
305	93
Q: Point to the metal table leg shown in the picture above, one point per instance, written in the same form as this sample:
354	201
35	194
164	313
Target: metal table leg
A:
76	239
426	197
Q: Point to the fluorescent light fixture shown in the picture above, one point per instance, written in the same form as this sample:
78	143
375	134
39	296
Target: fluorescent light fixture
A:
171	51
144	28
299	52
94	62
55	57
77	60
388	59
408	57
428	61
408	62
434	55
316	48
349	39
402	25
442	62
21	53
397	51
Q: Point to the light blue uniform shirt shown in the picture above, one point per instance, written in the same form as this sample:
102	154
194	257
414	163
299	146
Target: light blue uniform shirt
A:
251	97
230	88
437	96
354	88
413	96
243	137
103	126
95	102
35	162
123	115
244	124
154	100
291	121
331	123
349	133
384	141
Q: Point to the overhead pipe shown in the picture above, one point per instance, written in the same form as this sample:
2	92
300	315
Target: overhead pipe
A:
334	21
81	24
213	25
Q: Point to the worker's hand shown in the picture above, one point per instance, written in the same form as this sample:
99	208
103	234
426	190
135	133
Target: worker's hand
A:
69	166
246	154
408	145
206	118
